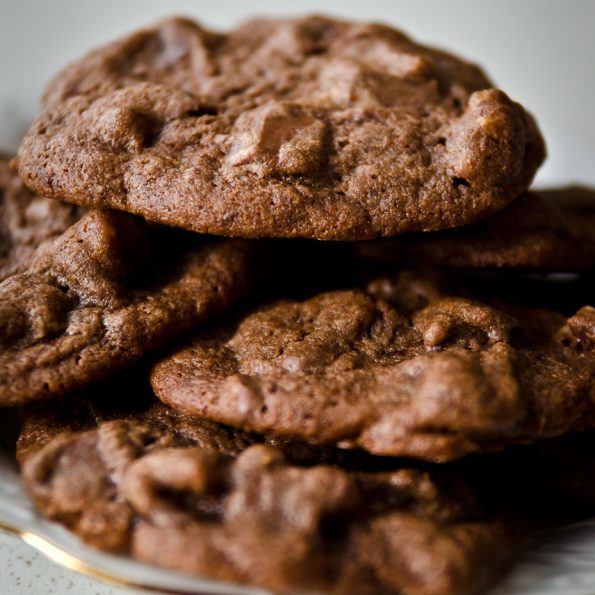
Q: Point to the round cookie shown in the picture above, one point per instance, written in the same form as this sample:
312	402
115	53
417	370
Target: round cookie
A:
200	498
102	294
551	230
404	368
282	128
27	221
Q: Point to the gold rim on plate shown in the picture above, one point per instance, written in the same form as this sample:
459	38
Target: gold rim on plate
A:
56	554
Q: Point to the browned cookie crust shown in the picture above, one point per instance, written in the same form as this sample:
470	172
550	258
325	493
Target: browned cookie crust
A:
27	221
168	489
403	368
282	128
102	294
549	230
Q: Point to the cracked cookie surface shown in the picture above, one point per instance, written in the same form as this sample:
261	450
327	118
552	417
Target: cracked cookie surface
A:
405	367
104	293
282	128
194	496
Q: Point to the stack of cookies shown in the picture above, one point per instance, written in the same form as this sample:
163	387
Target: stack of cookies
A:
277	309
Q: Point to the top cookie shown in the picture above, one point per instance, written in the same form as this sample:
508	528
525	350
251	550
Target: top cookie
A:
550	230
282	128
27	221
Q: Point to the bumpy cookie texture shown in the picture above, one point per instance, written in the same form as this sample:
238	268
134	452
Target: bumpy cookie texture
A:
404	368
104	293
86	443
208	501
27	221
291	128
549	230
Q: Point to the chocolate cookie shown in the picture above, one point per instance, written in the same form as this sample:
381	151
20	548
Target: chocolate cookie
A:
209	502
549	230
27	221
404	368
102	294
282	128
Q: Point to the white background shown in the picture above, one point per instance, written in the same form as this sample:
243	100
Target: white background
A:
541	52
